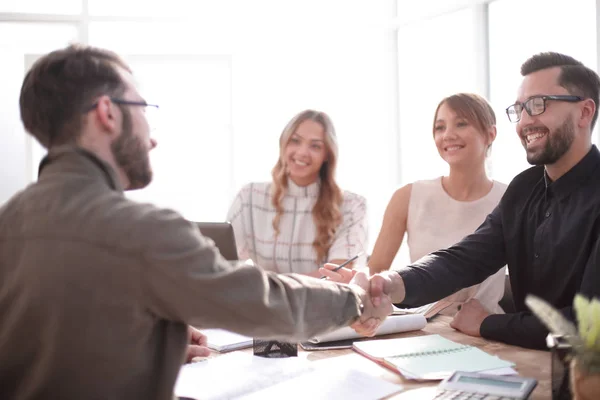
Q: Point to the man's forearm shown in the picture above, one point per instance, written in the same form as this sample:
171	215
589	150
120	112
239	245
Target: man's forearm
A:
519	329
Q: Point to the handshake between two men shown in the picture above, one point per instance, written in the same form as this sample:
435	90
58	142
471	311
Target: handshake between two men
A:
377	294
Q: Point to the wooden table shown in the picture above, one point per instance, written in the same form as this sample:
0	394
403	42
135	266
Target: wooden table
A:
529	363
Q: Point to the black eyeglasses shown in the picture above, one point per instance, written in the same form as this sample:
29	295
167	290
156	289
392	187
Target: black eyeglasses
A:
133	103
150	110
536	105
125	102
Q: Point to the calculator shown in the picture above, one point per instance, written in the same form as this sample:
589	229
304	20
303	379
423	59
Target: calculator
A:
480	386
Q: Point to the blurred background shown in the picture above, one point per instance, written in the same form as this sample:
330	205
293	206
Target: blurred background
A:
229	74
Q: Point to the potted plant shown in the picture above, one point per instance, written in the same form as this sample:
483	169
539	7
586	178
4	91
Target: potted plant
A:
583	339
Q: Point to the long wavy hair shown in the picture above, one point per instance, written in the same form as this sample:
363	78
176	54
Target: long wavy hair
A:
326	212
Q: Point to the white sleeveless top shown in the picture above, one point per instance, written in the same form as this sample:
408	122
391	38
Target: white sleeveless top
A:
437	221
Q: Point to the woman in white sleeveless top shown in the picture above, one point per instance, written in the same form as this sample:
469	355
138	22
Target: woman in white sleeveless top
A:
438	213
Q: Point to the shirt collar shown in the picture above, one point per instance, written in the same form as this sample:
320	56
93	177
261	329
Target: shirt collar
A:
582	171
311	190
76	160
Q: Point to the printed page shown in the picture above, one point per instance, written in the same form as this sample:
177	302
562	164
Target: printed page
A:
236	374
347	384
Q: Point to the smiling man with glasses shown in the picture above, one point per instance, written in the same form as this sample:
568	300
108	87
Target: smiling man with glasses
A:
547	224
558	145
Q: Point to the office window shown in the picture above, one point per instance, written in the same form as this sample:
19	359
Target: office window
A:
197	10
242	70
278	67
555	27
177	69
21	43
192	162
65	7
437	58
342	68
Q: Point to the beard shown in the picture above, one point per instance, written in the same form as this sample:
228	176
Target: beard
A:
558	143
131	155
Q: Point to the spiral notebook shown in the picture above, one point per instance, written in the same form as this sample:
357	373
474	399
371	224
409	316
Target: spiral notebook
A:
431	357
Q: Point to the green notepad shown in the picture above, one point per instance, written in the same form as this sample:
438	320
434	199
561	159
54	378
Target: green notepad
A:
428	357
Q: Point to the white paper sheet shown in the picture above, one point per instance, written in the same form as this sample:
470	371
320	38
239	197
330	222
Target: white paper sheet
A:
235	374
242	375
346	384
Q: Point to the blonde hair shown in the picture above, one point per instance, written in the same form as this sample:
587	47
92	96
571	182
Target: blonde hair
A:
326	212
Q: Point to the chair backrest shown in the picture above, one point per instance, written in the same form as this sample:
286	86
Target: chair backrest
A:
506	302
222	234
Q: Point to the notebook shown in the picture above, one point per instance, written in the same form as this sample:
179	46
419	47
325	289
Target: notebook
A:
431	357
223	341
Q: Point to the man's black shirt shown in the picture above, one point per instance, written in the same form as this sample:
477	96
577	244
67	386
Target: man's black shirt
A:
547	232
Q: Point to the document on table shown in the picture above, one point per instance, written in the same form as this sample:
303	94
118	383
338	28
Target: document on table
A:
347	384
241	375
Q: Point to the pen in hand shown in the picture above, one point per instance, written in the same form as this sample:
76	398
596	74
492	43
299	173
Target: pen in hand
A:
348	261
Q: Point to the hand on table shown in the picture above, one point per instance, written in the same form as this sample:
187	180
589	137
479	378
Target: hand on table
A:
197	345
469	318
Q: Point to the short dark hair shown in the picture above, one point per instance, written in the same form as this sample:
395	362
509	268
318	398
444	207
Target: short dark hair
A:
578	79
61	85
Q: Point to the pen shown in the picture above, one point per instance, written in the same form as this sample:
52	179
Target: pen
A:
348	261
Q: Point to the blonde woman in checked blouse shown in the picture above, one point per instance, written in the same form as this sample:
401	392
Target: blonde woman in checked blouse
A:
301	219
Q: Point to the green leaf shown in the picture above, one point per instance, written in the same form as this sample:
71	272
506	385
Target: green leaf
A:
588	316
553	320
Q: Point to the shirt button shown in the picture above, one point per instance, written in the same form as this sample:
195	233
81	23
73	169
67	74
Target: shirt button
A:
547	214
536	255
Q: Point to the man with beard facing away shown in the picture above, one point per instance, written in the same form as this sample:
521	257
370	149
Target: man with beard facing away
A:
547	224
97	292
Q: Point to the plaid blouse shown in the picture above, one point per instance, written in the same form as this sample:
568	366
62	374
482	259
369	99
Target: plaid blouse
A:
252	213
